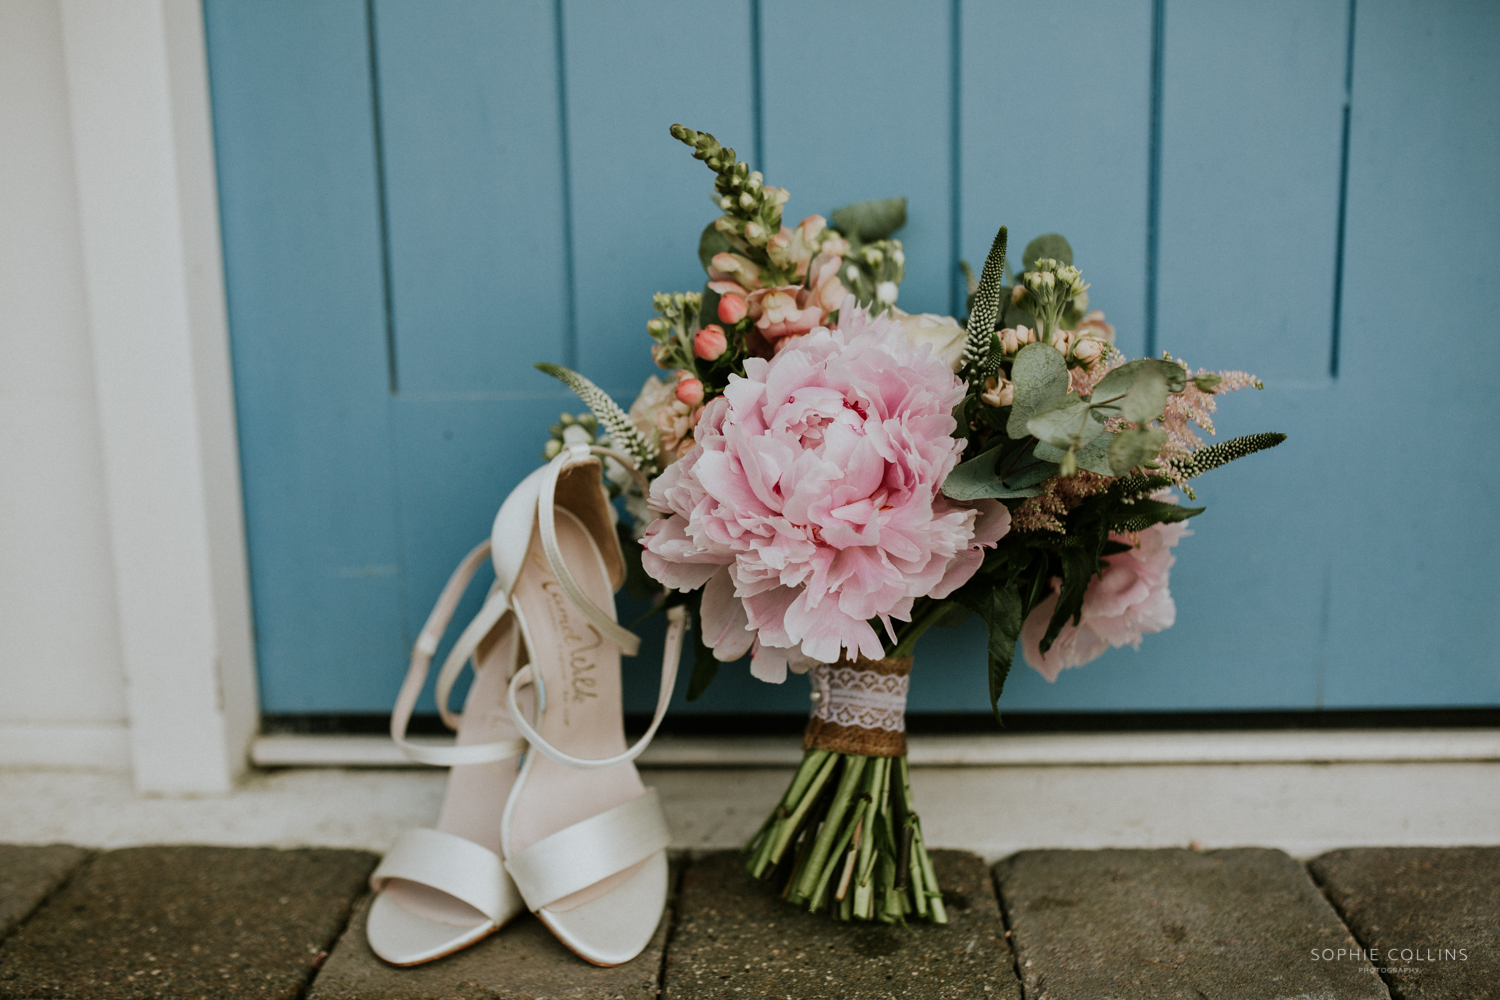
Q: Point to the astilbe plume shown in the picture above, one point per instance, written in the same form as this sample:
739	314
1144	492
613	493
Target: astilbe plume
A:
1059	495
1193	406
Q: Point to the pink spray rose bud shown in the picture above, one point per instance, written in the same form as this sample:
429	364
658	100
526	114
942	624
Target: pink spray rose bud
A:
709	343
732	309
689	389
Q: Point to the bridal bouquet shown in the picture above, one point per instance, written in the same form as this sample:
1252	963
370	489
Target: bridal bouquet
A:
830	477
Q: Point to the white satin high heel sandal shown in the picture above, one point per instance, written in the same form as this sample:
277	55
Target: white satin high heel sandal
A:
443	889
584	839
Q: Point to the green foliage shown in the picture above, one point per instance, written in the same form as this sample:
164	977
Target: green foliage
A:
867	221
1134	448
712	242
1165	377
1048	245
638	583
1094	456
1144	513
705	666
1041	376
1000	610
1009	470
1067	422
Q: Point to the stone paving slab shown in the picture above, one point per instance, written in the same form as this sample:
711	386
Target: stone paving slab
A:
1430	916
521	961
1219	925
28	875
734	938
180	922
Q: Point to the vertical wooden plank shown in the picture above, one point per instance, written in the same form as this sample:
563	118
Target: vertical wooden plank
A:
639	198
1417	567
1252	125
1064	152
857	104
295	148
472	143
472	147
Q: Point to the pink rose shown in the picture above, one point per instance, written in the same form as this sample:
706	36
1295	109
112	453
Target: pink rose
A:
1128	601
811	504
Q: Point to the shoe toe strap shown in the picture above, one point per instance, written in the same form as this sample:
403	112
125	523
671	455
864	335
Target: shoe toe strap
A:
577	856
451	864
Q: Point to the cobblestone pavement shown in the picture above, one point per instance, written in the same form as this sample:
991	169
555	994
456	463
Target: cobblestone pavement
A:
188	922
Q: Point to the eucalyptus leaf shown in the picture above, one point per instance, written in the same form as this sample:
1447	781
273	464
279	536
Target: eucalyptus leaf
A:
1041	377
978	478
1133	448
1065	423
1021	481
867	221
712	242
1147	396
975	478
1049	245
1094	457
1117	381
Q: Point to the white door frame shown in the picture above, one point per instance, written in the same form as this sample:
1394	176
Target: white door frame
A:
137	78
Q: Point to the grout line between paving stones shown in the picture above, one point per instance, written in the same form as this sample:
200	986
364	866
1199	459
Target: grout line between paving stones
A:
62	884
1010	941
1344	919
674	898
322	958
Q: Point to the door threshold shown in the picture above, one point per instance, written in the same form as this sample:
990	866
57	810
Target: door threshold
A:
279	750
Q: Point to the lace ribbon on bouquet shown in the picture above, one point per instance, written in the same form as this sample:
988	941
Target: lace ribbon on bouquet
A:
859	707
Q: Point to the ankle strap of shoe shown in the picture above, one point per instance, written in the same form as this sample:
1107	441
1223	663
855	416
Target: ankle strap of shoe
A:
671	655
421	659
546	511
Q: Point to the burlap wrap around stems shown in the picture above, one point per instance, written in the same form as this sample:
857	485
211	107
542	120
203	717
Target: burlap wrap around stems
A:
859	707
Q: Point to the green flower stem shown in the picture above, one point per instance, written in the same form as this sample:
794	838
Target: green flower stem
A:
831	867
846	839
814	877
764	841
913	631
790	826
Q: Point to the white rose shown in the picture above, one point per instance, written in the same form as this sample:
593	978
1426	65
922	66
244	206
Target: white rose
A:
941	333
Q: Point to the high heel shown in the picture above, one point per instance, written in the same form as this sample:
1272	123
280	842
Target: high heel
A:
445	888
583	838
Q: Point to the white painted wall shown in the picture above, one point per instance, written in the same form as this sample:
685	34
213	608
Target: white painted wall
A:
62	688
124	603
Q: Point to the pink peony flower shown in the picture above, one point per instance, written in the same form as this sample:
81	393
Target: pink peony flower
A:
811	502
1128	601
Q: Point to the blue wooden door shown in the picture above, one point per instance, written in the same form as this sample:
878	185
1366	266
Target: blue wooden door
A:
420	199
